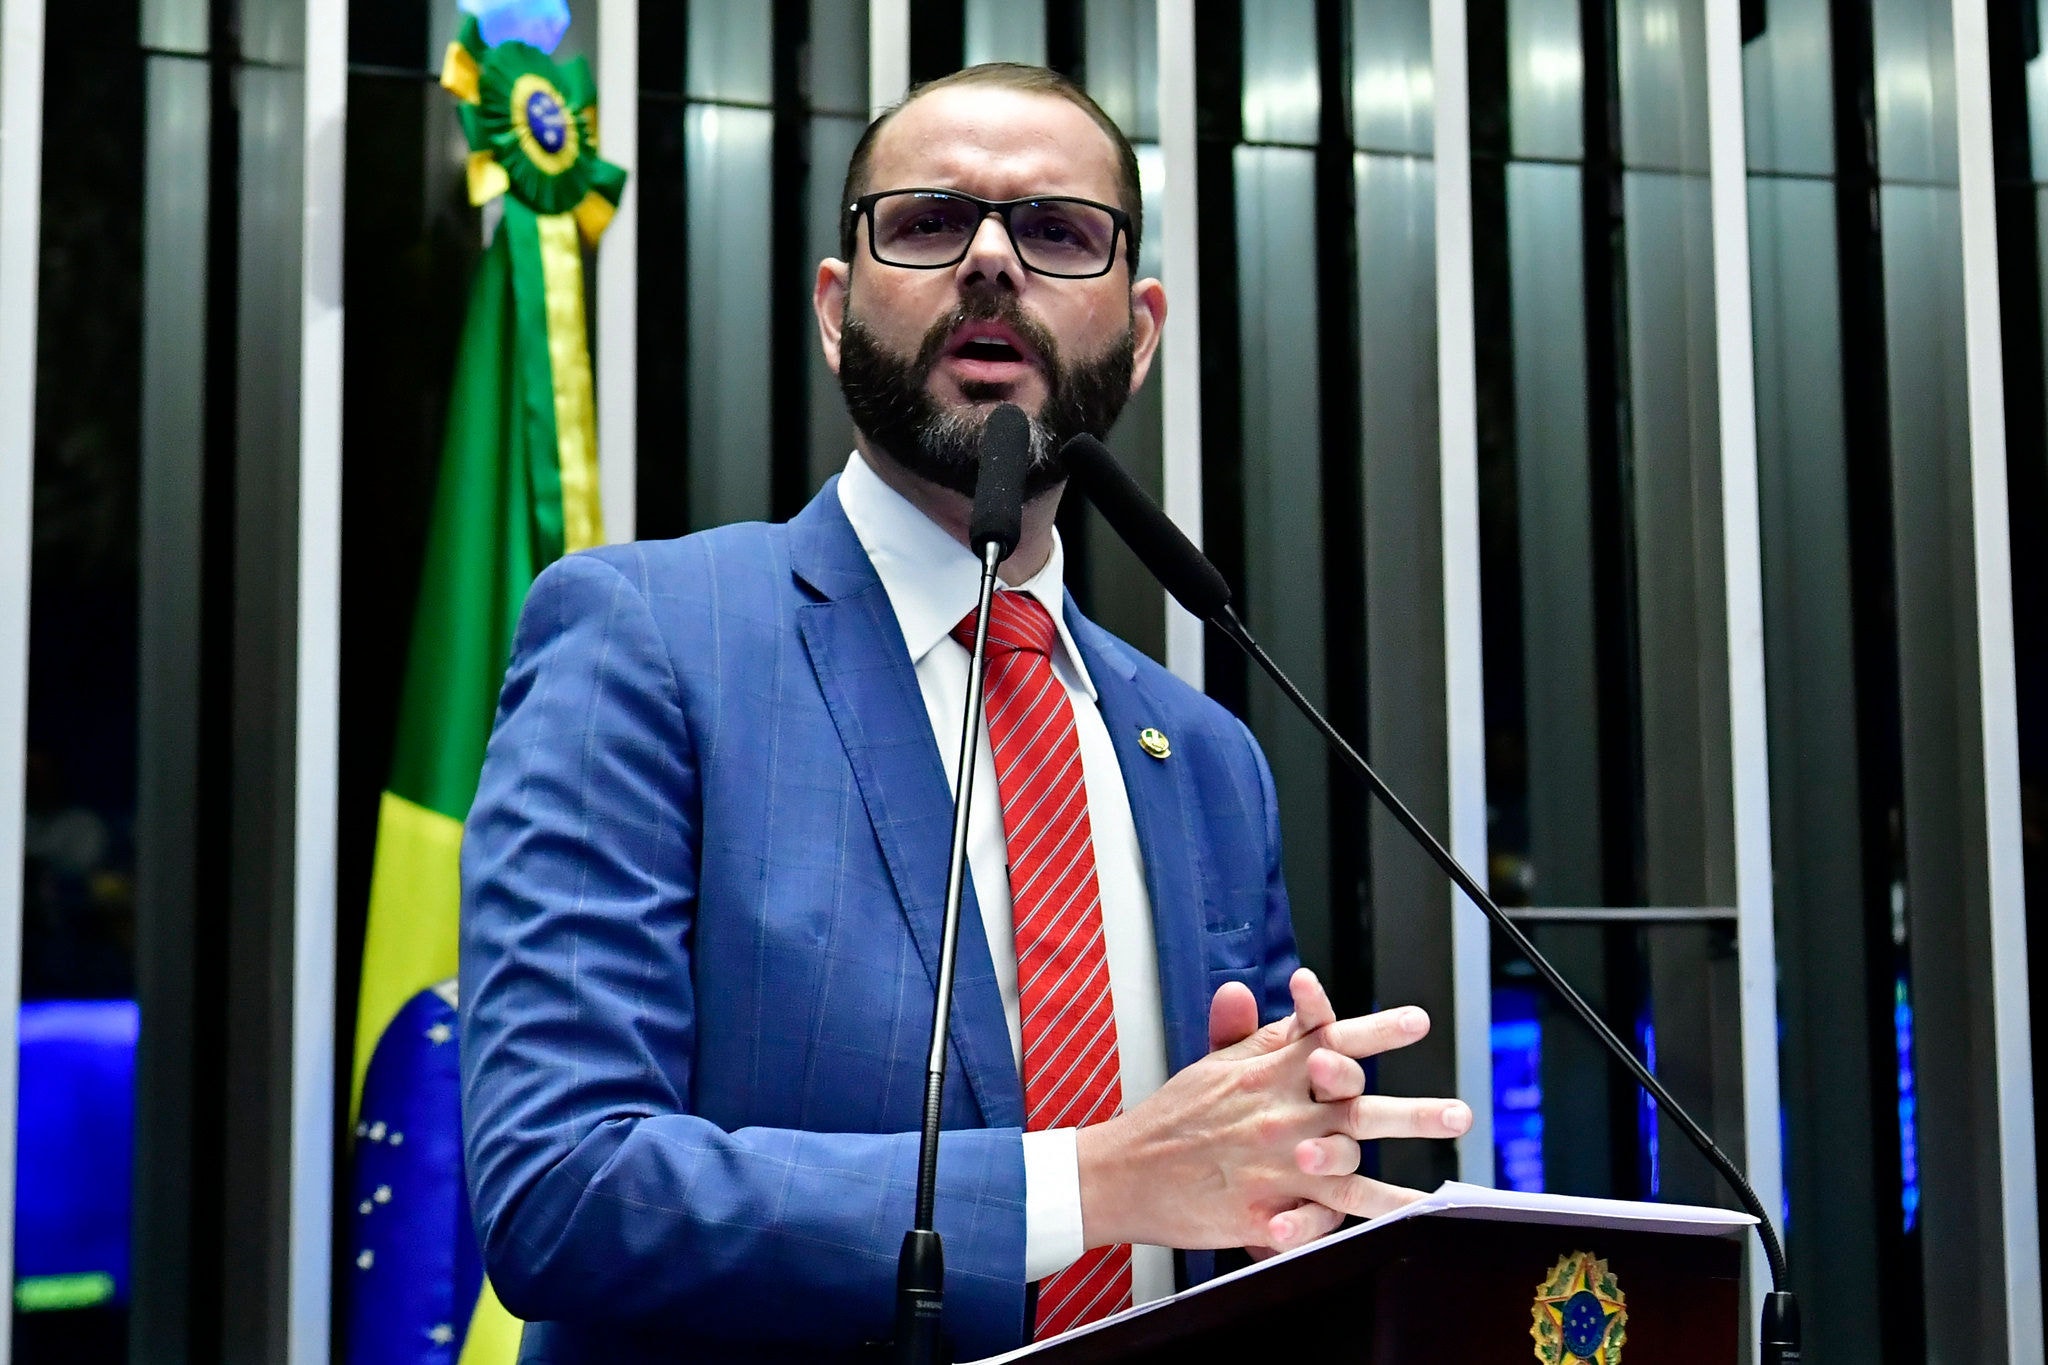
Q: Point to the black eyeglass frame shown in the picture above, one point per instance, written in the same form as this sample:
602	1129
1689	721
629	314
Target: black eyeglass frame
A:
850	216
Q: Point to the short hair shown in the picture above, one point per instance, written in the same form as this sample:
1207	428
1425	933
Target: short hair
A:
1031	80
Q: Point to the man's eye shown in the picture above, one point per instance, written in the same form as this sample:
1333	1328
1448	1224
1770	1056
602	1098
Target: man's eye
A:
930	223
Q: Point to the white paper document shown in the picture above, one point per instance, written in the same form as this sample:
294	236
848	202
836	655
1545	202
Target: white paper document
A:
1456	1200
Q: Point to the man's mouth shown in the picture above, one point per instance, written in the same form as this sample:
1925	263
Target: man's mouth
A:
989	353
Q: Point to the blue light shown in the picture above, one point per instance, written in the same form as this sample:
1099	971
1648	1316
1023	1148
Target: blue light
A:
1517	1040
1909	1105
1646	1108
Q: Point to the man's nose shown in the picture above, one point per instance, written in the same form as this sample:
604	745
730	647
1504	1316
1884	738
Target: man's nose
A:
991	257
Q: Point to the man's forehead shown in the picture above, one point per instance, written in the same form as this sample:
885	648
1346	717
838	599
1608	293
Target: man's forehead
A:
996	142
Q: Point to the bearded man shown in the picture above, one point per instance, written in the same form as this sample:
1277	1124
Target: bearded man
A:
704	873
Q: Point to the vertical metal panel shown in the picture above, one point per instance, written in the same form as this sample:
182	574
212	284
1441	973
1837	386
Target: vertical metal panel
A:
888	52
174	26
618	271
21	146
1005	31
1552	484
1281	432
1998	720
1830	1156
268	355
728	55
1947	889
1546	79
1741	555
317	659
1916	66
1121	40
1180	349
1393	82
1282	94
1663	83
730	179
1458	474
173	433
1681	618
1124	598
831	435
838	67
1788	102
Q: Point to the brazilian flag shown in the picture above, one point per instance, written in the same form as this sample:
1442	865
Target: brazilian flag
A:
518	489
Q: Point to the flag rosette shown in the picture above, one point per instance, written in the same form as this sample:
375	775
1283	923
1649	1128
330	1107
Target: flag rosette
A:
532	129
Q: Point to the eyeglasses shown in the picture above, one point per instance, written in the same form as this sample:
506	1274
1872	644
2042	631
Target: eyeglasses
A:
1072	239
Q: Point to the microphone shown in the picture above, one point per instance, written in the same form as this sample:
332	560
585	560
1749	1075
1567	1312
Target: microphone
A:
993	531
1196	584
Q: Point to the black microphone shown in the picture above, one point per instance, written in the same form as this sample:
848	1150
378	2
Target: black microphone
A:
1195	583
993	532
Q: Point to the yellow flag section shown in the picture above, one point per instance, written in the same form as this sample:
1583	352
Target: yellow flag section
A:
518	488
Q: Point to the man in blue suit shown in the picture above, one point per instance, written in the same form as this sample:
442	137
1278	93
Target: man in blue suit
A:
704	871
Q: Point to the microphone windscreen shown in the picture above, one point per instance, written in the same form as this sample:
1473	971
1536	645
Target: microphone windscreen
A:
1173	559
999	481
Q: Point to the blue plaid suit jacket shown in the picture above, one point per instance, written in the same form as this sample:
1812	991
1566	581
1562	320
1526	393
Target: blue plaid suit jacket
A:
702	889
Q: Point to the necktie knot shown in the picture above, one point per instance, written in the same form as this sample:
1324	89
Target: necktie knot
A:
1016	624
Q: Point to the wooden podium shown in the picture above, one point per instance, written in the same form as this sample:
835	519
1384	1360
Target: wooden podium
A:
1468	1274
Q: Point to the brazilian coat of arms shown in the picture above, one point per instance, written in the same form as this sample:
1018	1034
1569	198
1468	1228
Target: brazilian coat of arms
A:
1580	1315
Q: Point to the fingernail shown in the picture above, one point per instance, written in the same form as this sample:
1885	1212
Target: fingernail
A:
1414	1019
1457	1117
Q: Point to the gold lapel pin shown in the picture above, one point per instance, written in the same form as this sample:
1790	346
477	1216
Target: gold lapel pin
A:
1154	742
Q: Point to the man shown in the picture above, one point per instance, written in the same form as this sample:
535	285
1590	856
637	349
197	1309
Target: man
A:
705	868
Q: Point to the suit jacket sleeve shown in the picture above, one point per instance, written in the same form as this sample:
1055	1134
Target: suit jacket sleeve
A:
598	1193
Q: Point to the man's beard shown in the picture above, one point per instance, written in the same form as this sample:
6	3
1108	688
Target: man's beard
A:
890	401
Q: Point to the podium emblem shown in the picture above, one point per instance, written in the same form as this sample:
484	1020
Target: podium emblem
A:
1580	1315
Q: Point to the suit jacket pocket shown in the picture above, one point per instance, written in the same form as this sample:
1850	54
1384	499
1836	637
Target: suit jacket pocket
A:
1232	952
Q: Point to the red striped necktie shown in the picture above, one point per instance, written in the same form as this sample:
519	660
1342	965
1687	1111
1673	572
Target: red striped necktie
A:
1071	1071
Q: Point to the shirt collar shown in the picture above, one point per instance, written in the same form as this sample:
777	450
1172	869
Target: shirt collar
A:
932	579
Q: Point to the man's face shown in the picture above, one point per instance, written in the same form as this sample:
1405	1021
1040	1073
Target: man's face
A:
924	355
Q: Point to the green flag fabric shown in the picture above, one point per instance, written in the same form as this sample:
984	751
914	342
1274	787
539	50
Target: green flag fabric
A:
518	489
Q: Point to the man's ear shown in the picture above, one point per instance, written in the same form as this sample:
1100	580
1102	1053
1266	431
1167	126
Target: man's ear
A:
828	301
1148	317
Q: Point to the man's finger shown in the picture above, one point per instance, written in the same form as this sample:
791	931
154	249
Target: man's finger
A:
1370	1117
1312	1008
1233	1015
1333	1155
1333	1076
1301	1225
1360	1197
1369	1035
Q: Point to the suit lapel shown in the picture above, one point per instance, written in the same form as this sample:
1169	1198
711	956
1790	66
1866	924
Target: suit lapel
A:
1163	805
864	671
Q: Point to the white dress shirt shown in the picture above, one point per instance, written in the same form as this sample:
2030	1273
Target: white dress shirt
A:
932	581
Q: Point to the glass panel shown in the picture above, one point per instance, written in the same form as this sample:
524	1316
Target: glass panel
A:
1005	31
731	190
1663	70
1121	595
1283	98
831	434
728	51
1122	46
1788	99
1393	84
1546	78
838	69
1278	290
1569	1121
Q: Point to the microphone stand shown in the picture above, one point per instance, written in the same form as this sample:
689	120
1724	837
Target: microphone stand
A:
1780	1333
921	1266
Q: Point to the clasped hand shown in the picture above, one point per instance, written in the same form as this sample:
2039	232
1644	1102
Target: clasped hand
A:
1257	1144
